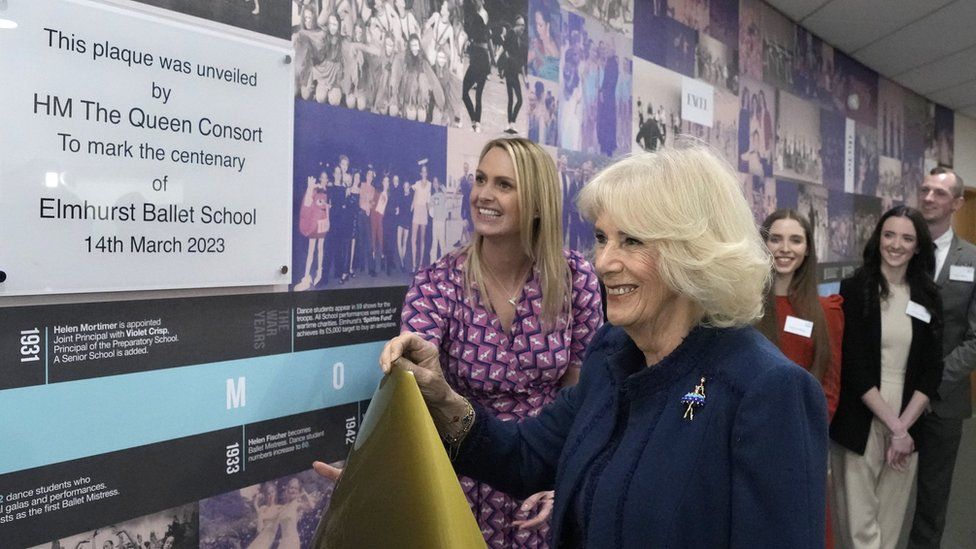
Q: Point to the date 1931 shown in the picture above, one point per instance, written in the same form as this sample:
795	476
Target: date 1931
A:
30	348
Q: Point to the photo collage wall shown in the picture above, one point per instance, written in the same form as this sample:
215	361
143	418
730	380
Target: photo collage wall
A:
394	100
397	97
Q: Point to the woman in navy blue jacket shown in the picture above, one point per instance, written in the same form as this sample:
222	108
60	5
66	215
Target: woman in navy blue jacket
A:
687	428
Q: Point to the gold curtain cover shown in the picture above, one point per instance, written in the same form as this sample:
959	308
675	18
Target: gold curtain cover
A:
398	488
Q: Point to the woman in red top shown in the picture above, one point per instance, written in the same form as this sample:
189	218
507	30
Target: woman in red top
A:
808	328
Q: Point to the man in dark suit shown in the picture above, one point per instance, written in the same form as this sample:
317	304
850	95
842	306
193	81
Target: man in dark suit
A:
941	195
569	188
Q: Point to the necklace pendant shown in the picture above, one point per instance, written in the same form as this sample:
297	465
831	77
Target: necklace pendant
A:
512	301
694	399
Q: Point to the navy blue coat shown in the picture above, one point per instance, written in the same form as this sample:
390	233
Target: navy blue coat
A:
750	470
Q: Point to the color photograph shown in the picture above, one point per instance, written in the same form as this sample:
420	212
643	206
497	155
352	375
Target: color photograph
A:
362	204
595	88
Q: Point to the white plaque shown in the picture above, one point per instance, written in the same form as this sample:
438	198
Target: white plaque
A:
697	102
140	152
850	158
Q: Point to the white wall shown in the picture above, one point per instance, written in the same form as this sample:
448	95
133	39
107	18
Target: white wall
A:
964	152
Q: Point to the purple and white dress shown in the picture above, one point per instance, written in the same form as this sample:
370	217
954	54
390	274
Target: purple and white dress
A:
513	373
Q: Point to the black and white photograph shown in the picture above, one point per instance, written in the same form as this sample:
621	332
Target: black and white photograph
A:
617	15
455	62
175	528
594	99
890	184
723	134
840	247
833	150
717	63
276	514
657	105
867	212
813	68
942	143
865	159
778	36
756	128
751	53
269	17
811	202
797	138
891	119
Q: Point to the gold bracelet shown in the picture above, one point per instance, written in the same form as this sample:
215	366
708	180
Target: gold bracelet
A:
453	442
893	437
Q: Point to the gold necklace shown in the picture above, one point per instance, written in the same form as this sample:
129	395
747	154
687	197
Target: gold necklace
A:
519	282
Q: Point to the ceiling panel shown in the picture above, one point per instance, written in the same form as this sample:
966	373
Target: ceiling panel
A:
939	75
853	24
969	111
963	95
945	31
796	9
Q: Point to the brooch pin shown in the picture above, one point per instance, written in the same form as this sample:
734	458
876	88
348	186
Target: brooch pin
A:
694	399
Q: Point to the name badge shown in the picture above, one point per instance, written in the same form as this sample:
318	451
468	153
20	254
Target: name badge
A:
798	326
962	273
915	310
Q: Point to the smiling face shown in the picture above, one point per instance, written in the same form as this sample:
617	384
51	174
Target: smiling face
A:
494	196
898	242
936	198
787	242
636	296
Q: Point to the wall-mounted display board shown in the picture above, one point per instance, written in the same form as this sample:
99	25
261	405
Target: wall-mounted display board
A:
140	152
118	410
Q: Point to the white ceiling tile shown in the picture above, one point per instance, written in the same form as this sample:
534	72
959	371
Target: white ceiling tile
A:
941	33
797	9
939	75
852	24
962	95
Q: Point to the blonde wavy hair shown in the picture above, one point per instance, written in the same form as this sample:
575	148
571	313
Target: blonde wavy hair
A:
540	226
687	202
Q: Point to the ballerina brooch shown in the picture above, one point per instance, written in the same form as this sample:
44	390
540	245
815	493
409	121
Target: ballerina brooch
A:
694	399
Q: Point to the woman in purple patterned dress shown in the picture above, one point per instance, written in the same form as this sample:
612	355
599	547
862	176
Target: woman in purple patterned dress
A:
512	313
